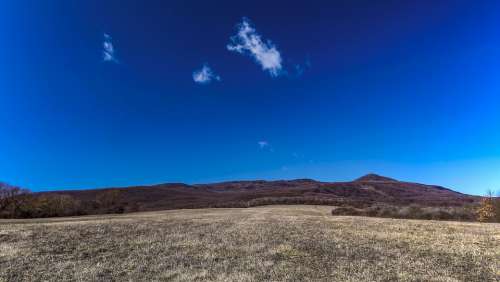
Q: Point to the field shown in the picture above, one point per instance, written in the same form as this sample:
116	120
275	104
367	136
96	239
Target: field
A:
273	243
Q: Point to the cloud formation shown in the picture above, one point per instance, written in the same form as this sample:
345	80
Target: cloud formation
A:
205	75
249	42
108	50
264	145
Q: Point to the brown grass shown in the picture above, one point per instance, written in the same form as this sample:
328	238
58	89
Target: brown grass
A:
278	243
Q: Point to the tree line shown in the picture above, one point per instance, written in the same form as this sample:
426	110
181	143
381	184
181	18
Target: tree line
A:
16	202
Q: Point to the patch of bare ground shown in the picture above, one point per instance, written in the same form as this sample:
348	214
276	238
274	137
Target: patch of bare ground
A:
275	243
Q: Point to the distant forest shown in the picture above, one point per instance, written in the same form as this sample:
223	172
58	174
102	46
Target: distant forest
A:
350	198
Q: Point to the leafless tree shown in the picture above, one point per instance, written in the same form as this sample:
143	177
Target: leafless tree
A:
11	197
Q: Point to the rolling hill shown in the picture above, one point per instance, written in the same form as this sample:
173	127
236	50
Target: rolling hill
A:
364	191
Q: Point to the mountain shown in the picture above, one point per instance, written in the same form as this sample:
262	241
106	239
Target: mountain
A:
364	191
374	177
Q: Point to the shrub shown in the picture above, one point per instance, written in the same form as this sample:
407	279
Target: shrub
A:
486	210
348	210
387	212
410	212
373	211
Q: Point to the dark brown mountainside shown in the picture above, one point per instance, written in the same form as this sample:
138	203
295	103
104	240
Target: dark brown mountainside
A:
374	177
365	191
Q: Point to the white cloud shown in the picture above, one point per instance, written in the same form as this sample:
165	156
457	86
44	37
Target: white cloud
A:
264	145
205	75
249	42
108	50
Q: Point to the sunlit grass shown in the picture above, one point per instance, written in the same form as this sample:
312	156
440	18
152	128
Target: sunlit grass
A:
279	243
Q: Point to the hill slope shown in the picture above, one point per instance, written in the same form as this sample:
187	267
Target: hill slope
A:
364	191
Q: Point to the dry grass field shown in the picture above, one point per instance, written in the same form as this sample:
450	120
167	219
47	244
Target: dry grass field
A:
274	243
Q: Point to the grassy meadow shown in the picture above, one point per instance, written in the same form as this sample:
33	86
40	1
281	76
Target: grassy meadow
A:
272	243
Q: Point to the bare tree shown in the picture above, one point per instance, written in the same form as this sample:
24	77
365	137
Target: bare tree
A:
11	198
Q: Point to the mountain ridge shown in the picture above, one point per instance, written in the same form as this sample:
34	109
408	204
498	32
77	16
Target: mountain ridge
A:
365	191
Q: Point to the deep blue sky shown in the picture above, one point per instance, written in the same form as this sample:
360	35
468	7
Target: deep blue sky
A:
408	89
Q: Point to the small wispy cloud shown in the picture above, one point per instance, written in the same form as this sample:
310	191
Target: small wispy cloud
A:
108	50
250	43
265	145
299	69
205	75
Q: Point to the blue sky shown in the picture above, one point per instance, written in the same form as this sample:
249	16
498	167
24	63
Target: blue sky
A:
116	93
